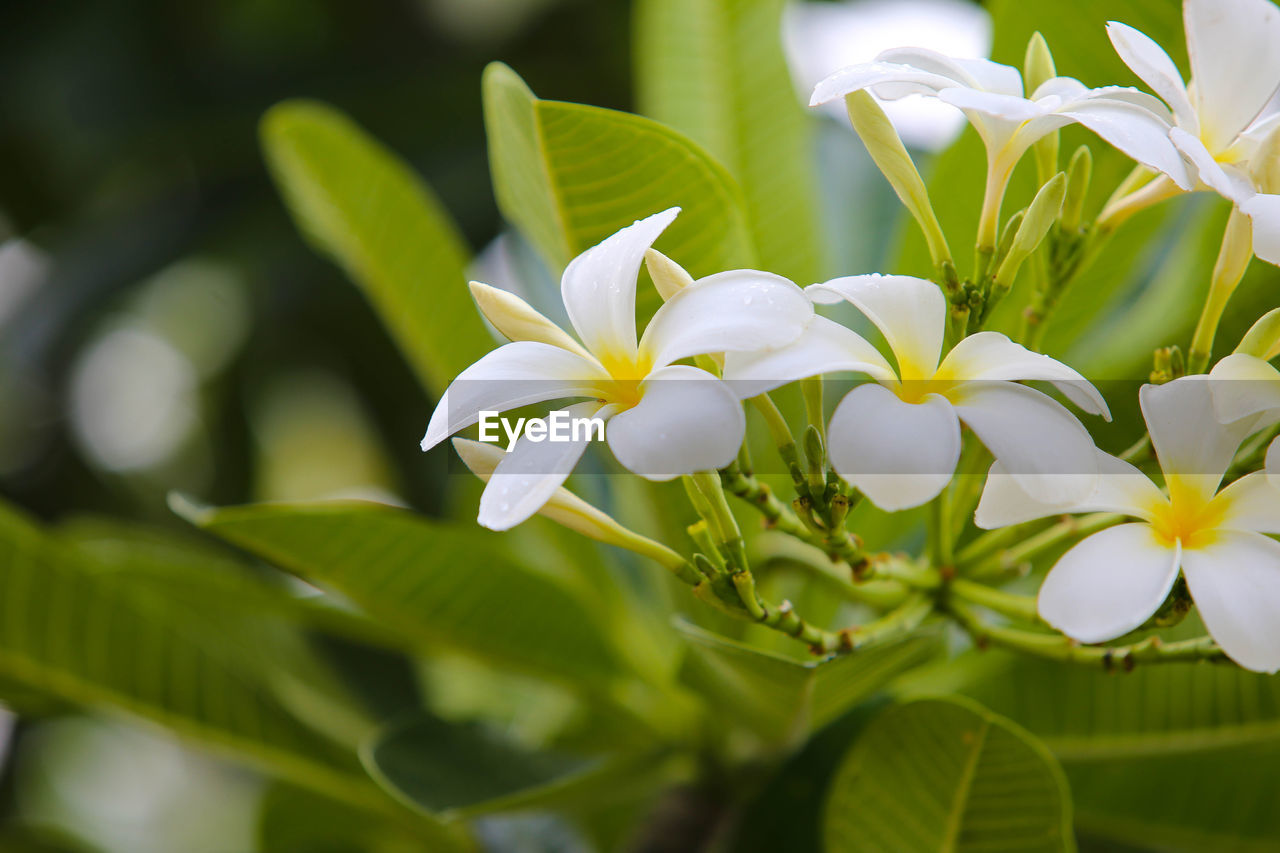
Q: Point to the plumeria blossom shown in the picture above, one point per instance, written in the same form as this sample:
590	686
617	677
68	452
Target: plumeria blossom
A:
1235	70
664	419
991	96
1114	581
898	440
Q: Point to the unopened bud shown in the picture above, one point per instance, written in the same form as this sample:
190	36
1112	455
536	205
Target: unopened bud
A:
1037	66
1263	338
1079	174
1168	365
668	277
891	158
1040	216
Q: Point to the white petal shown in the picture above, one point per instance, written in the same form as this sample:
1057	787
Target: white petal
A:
527	477
1008	107
970	73
1209	171
520	321
1252	503
1235	582
825	346
1036	439
1243	385
898	454
890	81
687	421
599	286
989	356
1109	584
1264	211
1193	447
1235	67
1135	131
910	312
1154	67
517	374
736	311
1121	488
1273	463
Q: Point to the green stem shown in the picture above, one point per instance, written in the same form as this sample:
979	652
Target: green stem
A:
780	433
1011	559
1233	260
1020	607
1064	649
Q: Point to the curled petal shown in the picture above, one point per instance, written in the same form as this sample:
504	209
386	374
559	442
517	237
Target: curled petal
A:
898	454
1235	582
1008	107
1134	130
910	312
514	375
736	311
1038	442
1235	68
825	346
970	73
890	80
1263	211
1242	386
1121	488
1231	187
527	477
599	286
1109	583
687	421
989	356
1154	67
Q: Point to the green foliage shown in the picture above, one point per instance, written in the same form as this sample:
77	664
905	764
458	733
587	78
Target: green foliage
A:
944	774
714	70
432	584
783	700
363	207
472	770
569	175
74	632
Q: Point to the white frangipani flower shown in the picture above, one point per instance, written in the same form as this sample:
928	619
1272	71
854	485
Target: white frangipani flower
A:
899	440
820	38
1235	70
664	419
991	96
1112	582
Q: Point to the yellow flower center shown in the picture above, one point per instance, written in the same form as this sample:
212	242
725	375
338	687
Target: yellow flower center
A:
626	373
915	390
1187	517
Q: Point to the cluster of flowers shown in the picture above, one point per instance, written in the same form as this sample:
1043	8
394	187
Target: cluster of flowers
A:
897	439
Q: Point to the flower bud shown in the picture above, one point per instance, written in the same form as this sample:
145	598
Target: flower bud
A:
1039	218
1263	338
891	157
1079	174
1038	66
571	511
668	276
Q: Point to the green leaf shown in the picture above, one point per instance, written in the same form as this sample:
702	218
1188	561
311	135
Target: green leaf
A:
569	175
1088	715
363	207
782	699
946	774
470	769
430	583
292	820
1203	802
70	631
715	71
